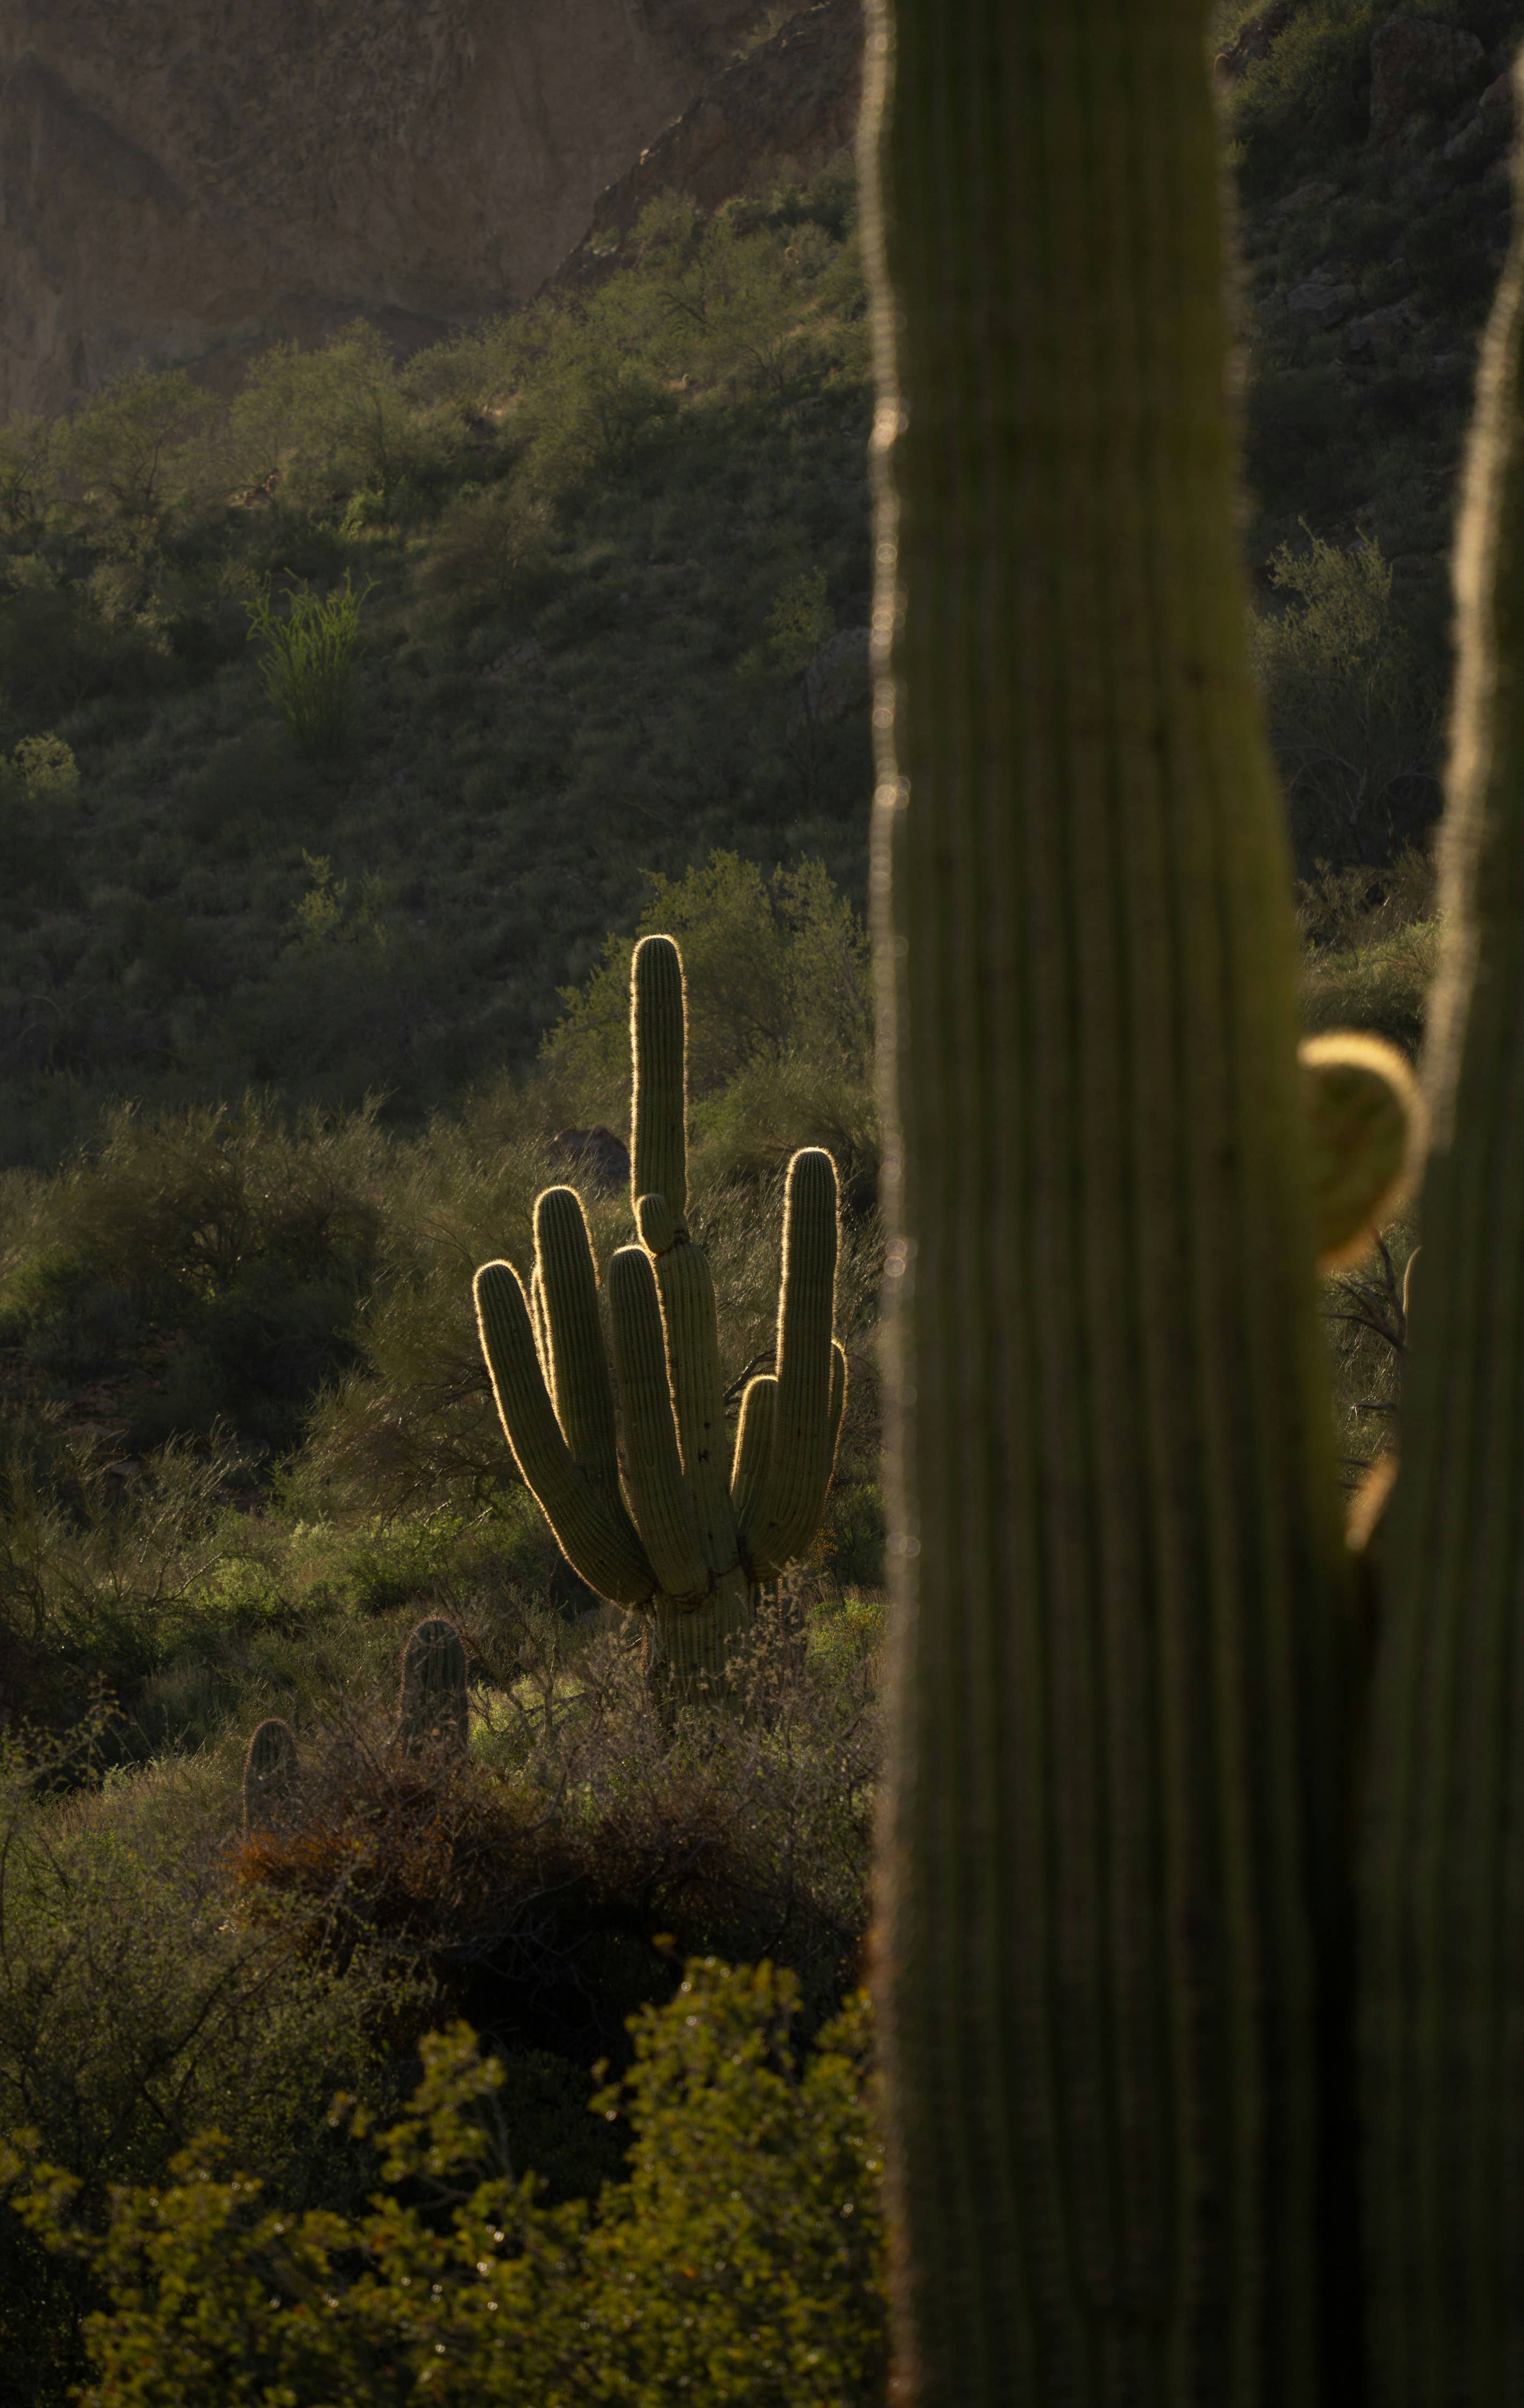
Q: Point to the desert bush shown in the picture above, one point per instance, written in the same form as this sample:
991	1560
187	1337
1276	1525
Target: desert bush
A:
215	1259
741	2262
308	663
1371	940
135	2013
44	769
491	552
1353	720
322	423
547	1875
1308	95
772	961
138	445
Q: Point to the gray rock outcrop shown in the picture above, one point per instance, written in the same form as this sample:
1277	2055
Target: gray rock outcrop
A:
178	177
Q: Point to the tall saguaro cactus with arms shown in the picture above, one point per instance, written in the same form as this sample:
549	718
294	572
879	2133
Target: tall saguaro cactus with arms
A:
663	1523
1136	1799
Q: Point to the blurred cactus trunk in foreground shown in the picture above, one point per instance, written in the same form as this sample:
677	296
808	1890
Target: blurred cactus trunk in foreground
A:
1442	2020
1139	1796
1114	1911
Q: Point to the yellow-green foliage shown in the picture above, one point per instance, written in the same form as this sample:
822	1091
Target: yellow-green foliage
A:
1353	713
741	2262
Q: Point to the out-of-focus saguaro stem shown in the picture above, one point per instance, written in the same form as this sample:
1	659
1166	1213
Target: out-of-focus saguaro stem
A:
1442	1870
1112	1970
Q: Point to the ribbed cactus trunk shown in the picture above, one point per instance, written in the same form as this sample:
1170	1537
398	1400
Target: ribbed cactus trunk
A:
1112	1919
1442	1944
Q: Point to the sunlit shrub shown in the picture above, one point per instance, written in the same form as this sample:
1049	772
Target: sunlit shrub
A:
308	663
742	2261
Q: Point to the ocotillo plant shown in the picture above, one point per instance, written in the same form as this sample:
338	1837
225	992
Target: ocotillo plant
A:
270	1770
433	1709
660	1523
1115	1972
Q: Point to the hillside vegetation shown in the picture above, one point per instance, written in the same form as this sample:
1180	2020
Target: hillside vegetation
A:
599	545
351	726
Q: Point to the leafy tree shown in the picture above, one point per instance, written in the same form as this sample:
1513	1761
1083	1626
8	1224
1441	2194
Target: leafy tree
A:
742	2263
1352	718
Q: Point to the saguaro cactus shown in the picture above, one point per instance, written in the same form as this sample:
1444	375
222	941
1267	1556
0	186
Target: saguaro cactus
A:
1134	1791
270	1770
1114	1903
433	1709
1442	1872
668	1529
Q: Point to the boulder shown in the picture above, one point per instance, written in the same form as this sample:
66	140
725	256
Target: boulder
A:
1314	306
597	1153
1418	67
837	679
1489	122
1250	43
1373	332
181	179
784	110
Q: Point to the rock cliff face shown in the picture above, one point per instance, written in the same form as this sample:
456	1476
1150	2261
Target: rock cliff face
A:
182	177
786	109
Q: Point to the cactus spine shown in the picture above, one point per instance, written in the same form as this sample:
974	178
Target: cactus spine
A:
1113	1908
270	1771
434	1710
671	1529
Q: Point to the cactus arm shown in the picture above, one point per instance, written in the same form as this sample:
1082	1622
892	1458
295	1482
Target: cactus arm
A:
1441	1944
838	1403
659	1104
800	1456
692	1336
1110	1919
601	1548
536	1319
580	1386
663	1509
1366	1126
753	1444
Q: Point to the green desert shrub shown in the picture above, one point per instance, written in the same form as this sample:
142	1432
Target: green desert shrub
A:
1353	718
774	962
215	1259
135	2013
1308	95
137	446
489	553
1372	944
322	424
741	2261
308	664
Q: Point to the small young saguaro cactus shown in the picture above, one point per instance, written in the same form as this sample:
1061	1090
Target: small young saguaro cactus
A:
433	1709
663	1523
270	1771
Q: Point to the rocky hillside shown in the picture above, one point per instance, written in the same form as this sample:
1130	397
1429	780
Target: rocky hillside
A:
612	556
166	193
